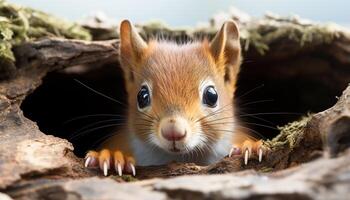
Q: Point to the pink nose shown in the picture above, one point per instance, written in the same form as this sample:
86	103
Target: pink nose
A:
173	135
173	131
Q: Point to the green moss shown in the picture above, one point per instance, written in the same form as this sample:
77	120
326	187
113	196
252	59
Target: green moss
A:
315	34
251	37
6	35
262	37
19	24
129	178
289	134
265	169
126	178
318	35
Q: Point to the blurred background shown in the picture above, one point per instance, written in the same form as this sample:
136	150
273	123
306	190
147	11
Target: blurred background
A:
191	12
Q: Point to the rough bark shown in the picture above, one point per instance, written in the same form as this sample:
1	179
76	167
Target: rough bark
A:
25	151
19	24
309	181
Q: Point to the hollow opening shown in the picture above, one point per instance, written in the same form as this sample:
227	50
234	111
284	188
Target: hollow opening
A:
63	107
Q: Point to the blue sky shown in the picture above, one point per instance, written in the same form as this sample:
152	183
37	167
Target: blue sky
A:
190	12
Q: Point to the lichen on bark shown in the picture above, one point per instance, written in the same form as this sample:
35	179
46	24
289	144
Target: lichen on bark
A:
289	133
19	24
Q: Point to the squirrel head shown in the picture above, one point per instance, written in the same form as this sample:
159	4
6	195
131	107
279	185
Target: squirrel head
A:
180	96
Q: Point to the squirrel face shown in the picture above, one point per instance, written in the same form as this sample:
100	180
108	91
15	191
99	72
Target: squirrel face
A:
180	96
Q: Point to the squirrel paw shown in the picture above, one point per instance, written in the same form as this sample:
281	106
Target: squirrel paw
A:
248	148
106	159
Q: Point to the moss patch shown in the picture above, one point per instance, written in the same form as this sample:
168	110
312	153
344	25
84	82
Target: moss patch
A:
289	134
19	24
262	35
124	178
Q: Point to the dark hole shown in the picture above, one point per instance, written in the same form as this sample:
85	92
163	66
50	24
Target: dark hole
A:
65	108
60	98
274	93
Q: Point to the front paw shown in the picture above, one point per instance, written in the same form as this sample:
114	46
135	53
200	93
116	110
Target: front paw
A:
248	149
106	159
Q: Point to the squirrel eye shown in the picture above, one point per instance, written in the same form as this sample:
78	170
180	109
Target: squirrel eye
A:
143	97
210	96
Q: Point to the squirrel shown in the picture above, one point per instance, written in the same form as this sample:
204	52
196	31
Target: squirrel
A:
180	103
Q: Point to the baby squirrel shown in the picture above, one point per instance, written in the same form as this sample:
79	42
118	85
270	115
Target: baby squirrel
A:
180	103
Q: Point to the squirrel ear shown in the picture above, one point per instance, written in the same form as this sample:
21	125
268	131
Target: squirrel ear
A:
132	45
225	49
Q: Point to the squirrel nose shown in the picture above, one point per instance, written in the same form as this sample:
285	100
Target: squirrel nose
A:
173	130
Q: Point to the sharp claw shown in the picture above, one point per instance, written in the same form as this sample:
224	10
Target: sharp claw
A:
246	155
230	154
133	169
87	161
105	168
260	154
119	169
234	151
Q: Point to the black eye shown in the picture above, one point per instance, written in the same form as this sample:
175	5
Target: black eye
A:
210	96
143	97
